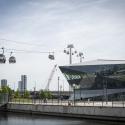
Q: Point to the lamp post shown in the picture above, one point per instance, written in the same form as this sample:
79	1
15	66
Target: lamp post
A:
58	89
34	94
106	91
105	86
74	93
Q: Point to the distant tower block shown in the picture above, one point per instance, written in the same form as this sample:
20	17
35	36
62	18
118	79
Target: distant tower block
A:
20	86
3	82
23	83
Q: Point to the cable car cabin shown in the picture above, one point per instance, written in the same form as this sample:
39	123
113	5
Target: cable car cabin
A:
51	57
12	59
2	58
64	51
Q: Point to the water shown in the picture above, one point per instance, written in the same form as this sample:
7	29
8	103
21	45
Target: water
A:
21	119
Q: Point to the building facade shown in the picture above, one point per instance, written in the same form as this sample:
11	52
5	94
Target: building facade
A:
22	85
20	88
24	82
98	79
3	82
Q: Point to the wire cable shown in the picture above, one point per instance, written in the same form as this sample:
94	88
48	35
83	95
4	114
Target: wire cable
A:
28	51
25	51
19	42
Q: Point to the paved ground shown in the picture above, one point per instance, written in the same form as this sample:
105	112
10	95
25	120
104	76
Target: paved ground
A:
67	103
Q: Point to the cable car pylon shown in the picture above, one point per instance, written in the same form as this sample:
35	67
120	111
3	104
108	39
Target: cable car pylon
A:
50	77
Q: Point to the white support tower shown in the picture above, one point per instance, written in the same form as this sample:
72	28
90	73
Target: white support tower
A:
50	77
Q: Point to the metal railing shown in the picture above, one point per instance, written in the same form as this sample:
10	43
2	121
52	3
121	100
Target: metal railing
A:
88	103
3	99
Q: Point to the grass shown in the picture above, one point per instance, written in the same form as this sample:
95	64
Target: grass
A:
22	100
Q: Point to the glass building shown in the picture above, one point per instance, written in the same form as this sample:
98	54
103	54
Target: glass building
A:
98	79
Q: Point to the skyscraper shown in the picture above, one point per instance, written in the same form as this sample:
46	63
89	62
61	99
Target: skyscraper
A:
3	82
20	88
22	85
24	82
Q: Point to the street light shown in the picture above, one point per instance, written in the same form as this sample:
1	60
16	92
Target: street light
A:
74	93
58	89
105	86
105	90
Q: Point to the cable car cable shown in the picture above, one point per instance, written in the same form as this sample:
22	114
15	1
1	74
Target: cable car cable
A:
19	42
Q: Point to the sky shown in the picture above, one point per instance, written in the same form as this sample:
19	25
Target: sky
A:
94	27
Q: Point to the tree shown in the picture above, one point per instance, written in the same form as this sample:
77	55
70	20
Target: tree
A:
16	94
42	94
10	91
26	94
4	89
45	94
49	95
0	90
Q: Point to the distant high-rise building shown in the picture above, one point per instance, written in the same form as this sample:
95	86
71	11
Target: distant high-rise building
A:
20	88
24	82
22	85
3	82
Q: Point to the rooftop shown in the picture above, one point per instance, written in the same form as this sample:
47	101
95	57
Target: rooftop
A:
98	62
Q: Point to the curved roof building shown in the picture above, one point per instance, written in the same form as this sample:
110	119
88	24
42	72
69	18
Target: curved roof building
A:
96	77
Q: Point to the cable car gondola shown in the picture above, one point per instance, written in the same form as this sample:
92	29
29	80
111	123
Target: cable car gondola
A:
2	57
51	57
12	59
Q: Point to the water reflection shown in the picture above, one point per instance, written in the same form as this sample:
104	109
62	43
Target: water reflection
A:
21	119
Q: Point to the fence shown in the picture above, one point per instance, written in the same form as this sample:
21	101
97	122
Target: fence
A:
3	98
88	102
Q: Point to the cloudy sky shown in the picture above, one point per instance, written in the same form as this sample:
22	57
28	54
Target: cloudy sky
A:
95	27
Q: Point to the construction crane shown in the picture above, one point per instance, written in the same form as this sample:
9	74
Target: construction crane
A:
50	77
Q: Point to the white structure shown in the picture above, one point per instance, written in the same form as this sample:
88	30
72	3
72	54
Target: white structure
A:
3	82
22	85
